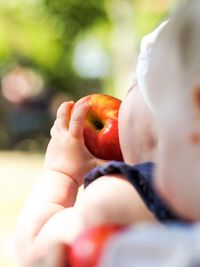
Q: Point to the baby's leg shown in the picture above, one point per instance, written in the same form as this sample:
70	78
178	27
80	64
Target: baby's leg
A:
109	199
112	199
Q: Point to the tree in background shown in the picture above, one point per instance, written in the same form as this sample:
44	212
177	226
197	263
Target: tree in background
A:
42	35
75	47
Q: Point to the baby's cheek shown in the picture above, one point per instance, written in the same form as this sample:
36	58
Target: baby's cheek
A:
126	127
127	143
122	133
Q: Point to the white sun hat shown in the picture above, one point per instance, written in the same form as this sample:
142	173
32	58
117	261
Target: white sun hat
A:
144	58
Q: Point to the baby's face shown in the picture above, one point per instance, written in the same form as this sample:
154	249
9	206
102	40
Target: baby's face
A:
136	128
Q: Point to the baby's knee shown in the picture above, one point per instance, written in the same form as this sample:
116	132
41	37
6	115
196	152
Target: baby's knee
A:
95	204
111	200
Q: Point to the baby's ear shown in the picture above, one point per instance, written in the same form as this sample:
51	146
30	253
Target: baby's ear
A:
194	137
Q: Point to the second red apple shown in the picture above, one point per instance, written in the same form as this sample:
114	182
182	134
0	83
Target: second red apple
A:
87	249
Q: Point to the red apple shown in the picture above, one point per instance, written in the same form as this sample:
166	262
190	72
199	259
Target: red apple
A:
87	249
101	126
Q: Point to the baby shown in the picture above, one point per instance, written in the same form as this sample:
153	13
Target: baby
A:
52	214
172	86
122	194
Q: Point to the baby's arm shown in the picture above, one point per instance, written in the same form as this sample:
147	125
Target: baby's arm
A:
67	160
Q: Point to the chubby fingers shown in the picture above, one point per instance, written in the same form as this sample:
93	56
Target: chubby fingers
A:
71	117
62	117
63	114
76	125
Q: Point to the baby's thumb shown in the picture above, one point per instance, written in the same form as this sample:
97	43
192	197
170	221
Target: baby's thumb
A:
78	116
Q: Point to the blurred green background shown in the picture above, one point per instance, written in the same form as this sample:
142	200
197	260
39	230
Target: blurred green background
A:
52	51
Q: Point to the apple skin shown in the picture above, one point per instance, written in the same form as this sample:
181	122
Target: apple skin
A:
101	126
87	249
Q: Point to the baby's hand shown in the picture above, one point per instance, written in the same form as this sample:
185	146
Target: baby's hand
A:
66	152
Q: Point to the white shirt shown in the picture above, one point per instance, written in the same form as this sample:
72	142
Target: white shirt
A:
152	245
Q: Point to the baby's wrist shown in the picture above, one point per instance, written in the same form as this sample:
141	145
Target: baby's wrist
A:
56	187
70	181
69	178
61	173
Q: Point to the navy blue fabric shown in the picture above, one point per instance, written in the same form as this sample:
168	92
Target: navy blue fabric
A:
140	176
